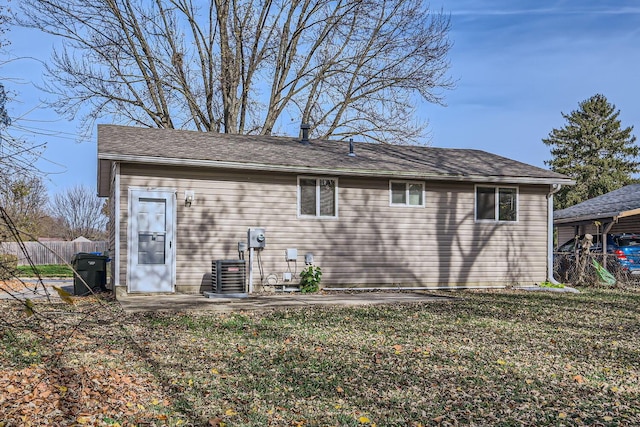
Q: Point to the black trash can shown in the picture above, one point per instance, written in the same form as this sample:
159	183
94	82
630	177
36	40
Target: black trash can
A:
92	268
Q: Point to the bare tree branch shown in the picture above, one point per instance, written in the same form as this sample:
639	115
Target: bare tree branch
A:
80	210
24	199
348	67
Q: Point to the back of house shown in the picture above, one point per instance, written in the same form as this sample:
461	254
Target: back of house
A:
369	215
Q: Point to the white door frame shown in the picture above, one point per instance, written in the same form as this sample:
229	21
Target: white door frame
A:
168	194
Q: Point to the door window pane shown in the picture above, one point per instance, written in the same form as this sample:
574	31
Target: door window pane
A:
151	248
151	215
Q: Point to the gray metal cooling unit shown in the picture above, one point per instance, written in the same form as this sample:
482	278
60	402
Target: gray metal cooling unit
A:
228	276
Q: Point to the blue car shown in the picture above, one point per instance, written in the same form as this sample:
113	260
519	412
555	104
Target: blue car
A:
625	247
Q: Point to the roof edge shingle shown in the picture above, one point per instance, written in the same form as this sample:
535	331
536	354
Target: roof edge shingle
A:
273	153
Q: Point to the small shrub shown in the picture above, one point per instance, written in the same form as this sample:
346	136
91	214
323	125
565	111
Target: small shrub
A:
310	279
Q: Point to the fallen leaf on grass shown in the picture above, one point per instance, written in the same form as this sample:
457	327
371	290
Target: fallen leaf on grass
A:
64	295
578	379
28	307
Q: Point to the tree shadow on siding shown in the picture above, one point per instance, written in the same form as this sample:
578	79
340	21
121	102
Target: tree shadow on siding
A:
383	263
471	248
210	236
451	243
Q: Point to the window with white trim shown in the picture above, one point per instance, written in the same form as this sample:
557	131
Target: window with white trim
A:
406	193
496	203
317	197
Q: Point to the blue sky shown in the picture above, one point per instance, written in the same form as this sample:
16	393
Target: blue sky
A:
517	64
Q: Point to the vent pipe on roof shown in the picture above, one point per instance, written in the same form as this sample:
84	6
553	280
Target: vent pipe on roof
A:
351	153
305	133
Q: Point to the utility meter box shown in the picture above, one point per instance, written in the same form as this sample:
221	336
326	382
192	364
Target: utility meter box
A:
256	238
291	254
308	258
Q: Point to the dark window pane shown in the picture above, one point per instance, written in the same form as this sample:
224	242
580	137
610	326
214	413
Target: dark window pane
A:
628	241
486	203
308	197
508	204
398	193
570	246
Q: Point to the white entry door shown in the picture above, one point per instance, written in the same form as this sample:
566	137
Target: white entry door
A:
151	261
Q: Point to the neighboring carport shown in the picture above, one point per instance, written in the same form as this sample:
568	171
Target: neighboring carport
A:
615	212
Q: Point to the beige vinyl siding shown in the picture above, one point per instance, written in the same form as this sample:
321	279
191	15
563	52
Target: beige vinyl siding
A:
369	244
564	234
629	224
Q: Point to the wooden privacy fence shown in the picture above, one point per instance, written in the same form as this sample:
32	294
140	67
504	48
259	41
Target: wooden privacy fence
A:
40	255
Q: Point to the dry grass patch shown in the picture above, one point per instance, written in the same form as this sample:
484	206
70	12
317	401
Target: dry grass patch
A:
490	358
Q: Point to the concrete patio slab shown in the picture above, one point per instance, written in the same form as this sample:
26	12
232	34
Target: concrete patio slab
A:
184	302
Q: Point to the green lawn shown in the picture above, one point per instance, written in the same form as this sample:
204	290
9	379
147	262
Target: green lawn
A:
487	358
45	271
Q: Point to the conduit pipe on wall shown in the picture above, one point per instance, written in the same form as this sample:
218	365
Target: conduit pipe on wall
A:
554	189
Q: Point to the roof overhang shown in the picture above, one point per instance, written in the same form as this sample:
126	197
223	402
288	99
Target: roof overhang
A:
585	219
106	158
602	217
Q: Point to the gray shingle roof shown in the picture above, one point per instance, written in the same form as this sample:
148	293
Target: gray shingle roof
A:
612	204
320	156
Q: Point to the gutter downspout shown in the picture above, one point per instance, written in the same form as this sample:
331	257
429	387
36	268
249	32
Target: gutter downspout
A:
554	189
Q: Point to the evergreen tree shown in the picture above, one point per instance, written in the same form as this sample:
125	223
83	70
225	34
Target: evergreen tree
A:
594	150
